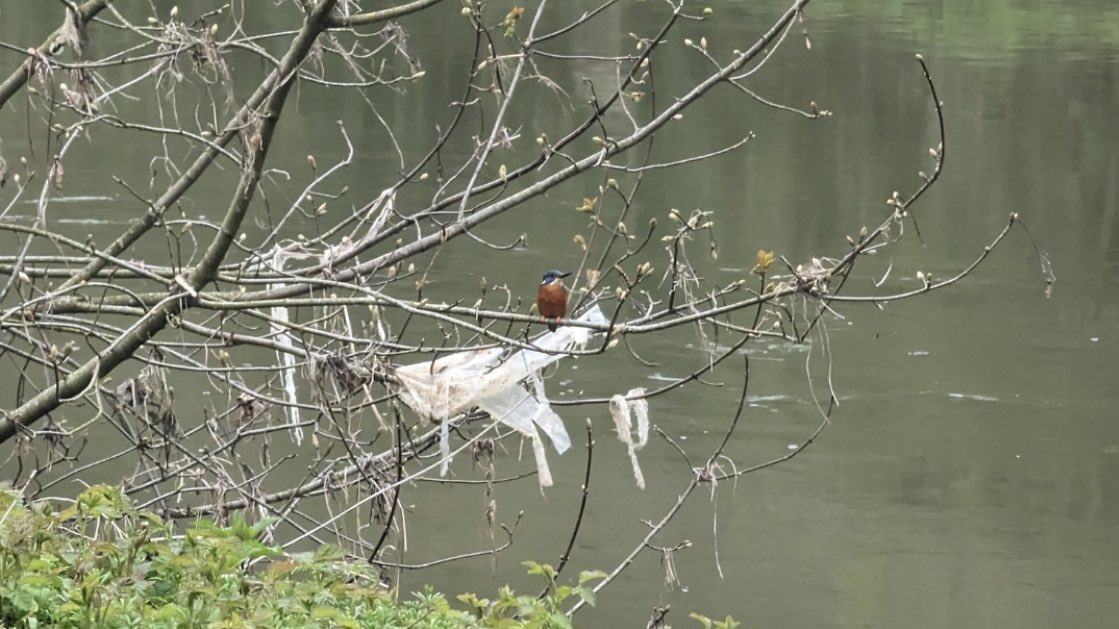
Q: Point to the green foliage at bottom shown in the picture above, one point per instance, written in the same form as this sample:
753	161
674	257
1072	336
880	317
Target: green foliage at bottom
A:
103	563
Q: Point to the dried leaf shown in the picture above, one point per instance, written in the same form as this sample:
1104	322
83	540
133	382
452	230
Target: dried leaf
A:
511	18
763	261
58	172
73	32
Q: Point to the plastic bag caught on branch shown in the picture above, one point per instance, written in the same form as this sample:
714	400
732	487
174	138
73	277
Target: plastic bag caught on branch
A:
456	383
623	410
280	328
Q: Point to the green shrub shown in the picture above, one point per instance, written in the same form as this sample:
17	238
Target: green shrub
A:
102	563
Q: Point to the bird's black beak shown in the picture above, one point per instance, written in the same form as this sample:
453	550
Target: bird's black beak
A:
563	275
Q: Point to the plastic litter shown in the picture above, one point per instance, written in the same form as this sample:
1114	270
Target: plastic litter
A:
496	383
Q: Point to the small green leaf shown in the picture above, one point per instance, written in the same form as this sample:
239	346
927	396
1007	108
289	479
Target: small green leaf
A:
559	620
591	575
703	620
586	594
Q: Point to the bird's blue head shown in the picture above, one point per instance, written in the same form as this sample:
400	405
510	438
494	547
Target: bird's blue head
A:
552	276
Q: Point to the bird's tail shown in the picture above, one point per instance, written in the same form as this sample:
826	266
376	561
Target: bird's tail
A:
552	327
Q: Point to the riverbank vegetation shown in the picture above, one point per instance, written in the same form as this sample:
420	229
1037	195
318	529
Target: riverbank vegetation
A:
102	563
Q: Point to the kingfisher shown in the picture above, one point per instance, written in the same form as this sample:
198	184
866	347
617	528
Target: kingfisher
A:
551	299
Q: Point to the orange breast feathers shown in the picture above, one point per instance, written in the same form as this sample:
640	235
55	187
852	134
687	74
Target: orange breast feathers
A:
551	302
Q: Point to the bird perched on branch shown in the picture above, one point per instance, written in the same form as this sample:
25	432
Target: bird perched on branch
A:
551	299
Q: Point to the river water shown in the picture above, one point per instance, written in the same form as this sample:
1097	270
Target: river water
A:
970	475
